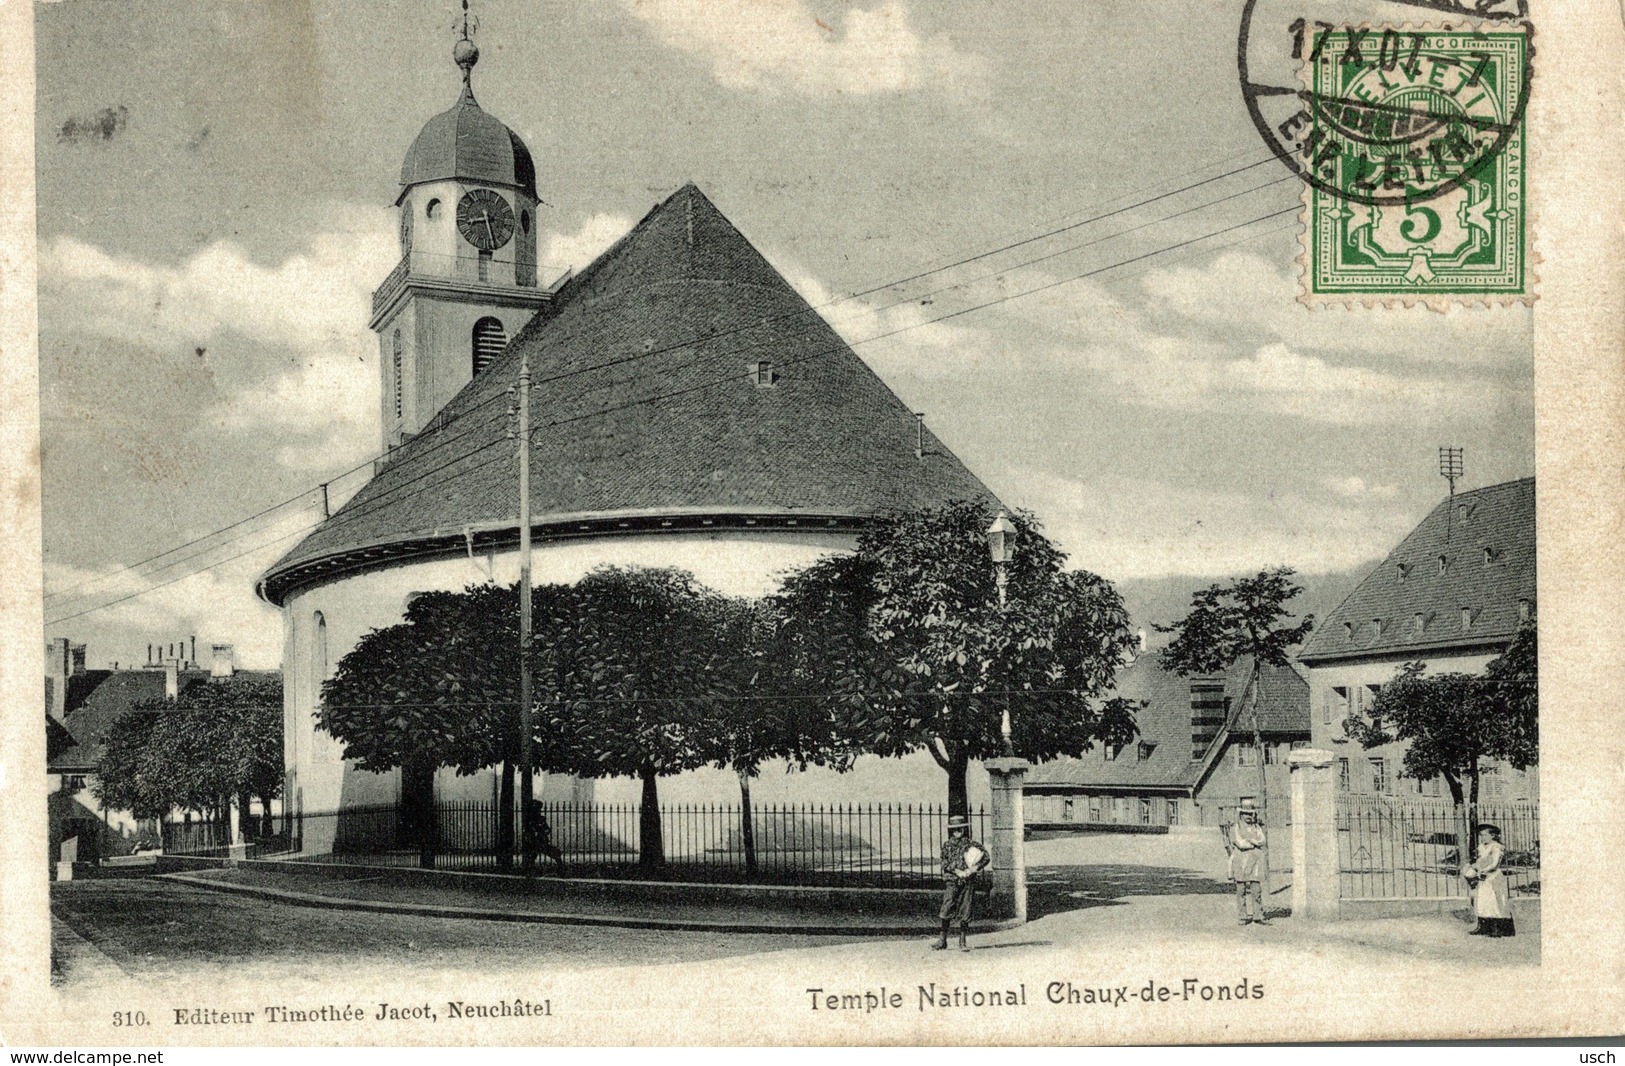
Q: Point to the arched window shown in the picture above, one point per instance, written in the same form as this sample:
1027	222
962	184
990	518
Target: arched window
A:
399	378
489	340
318	656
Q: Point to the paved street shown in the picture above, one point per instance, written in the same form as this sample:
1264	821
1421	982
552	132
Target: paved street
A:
1154	899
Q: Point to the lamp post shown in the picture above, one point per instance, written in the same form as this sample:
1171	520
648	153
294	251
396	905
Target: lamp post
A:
1001	546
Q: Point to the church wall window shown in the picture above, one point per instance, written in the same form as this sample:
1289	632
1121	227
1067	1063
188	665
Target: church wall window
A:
485	265
489	341
433	209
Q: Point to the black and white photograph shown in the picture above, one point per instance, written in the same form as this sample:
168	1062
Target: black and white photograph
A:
784	522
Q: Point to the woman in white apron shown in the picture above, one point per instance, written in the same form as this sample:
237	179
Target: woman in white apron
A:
1490	899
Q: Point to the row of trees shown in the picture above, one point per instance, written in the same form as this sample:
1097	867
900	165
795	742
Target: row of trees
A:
223	742
900	646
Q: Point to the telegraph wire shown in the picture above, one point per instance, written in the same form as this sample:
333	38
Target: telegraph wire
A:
391	495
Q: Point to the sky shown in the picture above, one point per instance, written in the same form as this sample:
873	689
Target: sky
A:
215	190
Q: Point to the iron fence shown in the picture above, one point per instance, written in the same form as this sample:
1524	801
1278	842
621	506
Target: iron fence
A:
209	837
836	844
1410	851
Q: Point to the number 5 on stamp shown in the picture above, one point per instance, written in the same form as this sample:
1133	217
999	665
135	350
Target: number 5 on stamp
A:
1418	148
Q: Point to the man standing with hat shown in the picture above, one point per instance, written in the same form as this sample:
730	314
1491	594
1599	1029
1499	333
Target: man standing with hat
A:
1249	862
962	859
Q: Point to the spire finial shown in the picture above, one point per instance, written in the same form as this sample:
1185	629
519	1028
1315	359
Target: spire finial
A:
465	53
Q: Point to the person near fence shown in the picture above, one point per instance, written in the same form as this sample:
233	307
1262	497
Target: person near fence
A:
1491	903
544	836
1249	863
962	859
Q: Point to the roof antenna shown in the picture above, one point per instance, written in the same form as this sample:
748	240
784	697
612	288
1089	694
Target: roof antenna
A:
1450	470
465	53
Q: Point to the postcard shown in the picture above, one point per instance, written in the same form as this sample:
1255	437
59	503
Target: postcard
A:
766	522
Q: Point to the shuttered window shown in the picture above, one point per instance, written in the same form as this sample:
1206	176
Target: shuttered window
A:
489	340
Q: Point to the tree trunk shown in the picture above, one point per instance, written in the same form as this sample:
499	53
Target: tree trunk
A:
958	794
417	809
504	841
267	823
651	852
1263	781
747	826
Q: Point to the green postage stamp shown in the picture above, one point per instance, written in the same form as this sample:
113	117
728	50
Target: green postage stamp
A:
1412	143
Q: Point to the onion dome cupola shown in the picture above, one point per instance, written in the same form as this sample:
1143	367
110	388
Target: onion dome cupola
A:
467	143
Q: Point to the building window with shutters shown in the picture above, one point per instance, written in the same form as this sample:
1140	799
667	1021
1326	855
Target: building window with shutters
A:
1379	776
489	340
1094	808
1173	812
1145	810
1343	779
399	377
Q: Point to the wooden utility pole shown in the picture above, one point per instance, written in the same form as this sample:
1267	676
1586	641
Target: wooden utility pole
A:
527	784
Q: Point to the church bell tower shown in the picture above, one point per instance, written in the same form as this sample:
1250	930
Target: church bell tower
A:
466	282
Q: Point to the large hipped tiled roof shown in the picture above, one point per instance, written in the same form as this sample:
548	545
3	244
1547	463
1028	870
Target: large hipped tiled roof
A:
1486	541
647	407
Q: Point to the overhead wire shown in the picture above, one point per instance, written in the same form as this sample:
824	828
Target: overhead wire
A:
441	442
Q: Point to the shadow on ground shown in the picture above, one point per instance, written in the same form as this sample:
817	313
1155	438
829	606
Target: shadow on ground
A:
1055	889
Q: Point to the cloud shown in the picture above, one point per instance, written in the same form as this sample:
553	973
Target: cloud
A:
573	251
1172	530
313	301
217	604
784	46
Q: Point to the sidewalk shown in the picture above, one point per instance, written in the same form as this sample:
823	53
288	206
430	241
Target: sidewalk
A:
364	892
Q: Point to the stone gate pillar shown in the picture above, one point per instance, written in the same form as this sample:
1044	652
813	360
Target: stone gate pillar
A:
1314	835
1009	867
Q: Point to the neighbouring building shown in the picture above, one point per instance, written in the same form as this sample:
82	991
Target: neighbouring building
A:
693	411
1452	595
81	707
1194	760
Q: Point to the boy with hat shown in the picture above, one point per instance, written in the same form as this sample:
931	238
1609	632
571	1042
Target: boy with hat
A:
962	859
1249	862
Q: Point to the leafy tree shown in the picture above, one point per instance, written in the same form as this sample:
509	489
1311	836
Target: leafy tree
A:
767	701
937	660
1244	620
628	664
220	740
439	688
1452	722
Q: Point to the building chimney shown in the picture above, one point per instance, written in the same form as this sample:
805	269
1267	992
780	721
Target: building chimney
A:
57	660
224	664
172	679
76	659
193	658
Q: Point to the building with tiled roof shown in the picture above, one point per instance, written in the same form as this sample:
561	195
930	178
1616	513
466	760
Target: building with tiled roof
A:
1452	594
1194	759
81	707
690	410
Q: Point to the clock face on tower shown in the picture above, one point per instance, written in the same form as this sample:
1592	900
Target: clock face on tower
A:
484	219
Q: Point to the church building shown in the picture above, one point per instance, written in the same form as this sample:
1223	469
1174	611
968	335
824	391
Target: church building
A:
690	409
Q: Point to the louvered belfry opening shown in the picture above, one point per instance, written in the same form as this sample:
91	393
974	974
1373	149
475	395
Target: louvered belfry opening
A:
489	340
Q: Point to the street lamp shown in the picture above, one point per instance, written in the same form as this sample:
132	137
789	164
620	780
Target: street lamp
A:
1001	546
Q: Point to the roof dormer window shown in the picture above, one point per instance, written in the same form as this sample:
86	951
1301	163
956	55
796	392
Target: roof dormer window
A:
1466	619
1348	630
1489	556
1376	628
1401	570
1526	610
1420	623
1444	564
761	374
